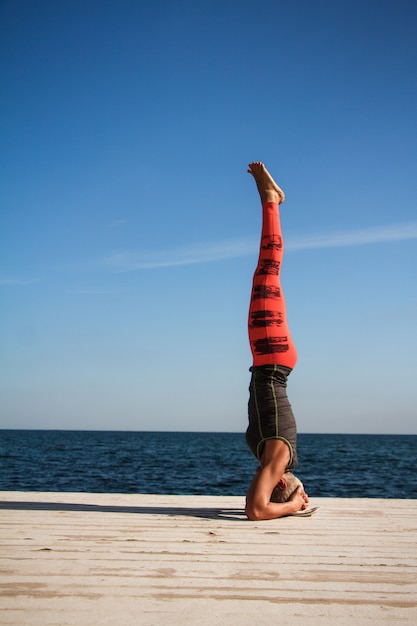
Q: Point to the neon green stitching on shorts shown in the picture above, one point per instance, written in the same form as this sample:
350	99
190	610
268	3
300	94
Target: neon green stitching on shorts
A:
275	402
257	407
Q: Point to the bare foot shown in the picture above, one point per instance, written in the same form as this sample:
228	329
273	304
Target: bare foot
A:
267	187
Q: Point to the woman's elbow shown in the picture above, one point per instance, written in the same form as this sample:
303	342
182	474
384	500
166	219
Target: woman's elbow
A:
253	513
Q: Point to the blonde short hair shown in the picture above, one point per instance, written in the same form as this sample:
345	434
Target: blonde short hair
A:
283	495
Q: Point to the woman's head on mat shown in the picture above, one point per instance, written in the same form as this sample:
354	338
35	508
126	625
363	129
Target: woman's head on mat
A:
286	487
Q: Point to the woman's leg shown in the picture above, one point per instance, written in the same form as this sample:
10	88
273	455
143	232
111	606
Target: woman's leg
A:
269	335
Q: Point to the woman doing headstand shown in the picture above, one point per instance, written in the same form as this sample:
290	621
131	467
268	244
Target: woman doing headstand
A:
272	433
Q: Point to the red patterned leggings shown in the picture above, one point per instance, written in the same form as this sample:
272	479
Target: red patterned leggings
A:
269	336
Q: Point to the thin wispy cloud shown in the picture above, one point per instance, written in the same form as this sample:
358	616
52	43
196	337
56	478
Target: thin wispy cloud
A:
15	280
96	292
381	234
187	255
229	249
117	224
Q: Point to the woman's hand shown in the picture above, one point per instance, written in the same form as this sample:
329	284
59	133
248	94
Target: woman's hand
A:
299	499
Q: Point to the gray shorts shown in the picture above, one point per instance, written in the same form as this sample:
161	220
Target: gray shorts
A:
270	413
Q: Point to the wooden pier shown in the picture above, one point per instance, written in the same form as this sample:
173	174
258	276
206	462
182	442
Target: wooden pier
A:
148	560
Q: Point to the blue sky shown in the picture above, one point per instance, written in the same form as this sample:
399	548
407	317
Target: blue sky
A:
129	226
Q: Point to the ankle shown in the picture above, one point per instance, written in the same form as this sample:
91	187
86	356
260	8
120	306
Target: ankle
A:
270	195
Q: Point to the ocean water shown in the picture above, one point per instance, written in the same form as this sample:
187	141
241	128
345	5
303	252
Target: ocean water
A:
371	466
